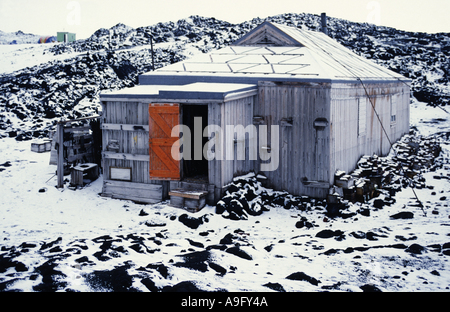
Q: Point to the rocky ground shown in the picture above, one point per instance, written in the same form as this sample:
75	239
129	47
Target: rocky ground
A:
255	239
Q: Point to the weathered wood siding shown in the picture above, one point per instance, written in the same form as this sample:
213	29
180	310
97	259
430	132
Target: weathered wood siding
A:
304	148
320	131
347	145
127	123
233	113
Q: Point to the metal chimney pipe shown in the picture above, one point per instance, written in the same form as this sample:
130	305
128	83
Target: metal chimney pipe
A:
324	28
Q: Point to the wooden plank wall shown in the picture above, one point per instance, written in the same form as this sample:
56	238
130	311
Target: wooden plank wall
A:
119	121
133	151
346	146
233	113
304	149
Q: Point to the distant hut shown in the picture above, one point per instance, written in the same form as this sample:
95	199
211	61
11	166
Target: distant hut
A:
66	37
331	107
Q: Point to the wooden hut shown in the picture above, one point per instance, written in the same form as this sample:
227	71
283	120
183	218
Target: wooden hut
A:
329	105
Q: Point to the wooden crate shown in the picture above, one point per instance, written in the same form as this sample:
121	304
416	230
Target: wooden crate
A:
83	171
191	200
40	146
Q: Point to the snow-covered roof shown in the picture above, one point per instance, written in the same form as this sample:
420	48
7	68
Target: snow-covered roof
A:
274	52
197	91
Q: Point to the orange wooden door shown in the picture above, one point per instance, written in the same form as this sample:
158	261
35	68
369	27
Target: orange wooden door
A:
162	118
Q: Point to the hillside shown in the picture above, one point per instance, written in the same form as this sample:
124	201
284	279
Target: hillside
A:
64	80
18	37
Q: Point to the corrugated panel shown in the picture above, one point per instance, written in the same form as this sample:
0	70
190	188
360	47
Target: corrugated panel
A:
362	113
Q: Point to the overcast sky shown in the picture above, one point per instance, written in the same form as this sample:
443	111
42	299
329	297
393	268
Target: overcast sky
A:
46	17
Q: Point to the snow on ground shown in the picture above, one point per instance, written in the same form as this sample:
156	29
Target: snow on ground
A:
19	56
63	239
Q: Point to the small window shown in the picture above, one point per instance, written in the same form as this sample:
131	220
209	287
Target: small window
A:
362	107
393	109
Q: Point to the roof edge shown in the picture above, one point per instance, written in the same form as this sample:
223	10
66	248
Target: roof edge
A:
253	36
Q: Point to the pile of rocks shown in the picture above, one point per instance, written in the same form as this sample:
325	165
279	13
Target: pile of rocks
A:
246	195
410	157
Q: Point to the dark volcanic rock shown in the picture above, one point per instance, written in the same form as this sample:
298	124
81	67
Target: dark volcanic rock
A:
161	268
155	224
187	286
142	213
373	236
116	280
55	249
218	268
331	251
370	288
275	286
329	233
304	223
6	262
52	280
434	272
403	215
102	239
301	276
150	284
378	203
228	239
195	261
20	267
416	249
190	222
50	244
82	259
195	244
239	252
358	234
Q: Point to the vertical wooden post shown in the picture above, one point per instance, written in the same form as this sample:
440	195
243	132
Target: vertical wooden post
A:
153	57
60	167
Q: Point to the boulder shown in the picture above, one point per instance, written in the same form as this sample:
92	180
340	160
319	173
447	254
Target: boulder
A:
190	222
370	288
416	249
237	251
403	215
301	276
275	286
329	233
186	286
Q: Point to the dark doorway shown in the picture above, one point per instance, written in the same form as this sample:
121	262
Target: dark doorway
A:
195	170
